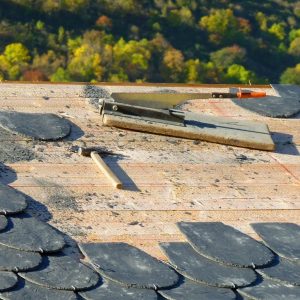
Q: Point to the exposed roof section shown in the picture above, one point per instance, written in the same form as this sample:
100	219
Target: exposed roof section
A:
167	180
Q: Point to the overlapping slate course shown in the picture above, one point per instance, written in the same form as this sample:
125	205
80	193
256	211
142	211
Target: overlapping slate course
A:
282	238
11	201
196	267
16	260
225	244
62	272
129	265
35	126
25	290
111	291
194	291
282	270
270	289
27	233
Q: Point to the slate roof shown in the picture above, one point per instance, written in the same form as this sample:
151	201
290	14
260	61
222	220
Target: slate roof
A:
34	261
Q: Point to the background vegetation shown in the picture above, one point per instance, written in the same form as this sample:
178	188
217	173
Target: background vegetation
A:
206	41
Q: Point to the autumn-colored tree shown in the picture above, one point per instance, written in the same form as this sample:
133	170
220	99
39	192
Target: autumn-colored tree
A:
228	56
48	63
104	22
34	75
172	66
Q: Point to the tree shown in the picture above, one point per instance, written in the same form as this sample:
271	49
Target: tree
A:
172	65
228	56
13	61
194	71
60	75
48	62
221	25
294	48
239	74
85	64
131	60
278	30
291	75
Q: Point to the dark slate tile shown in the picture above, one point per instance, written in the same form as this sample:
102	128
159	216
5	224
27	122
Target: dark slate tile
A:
63	273
191	290
7	280
29	234
129	266
282	238
16	260
11	201
285	105
225	244
25	290
282	270
196	267
287	90
3	222
109	290
35	126
268	289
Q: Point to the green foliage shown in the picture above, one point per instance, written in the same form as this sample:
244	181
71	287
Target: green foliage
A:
238	74
131	60
294	48
205	41
291	75
13	61
228	56
221	25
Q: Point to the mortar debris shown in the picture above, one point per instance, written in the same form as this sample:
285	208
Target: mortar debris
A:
12	151
58	197
95	93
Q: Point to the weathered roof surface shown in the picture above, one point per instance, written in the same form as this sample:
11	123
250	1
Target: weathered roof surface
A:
167	180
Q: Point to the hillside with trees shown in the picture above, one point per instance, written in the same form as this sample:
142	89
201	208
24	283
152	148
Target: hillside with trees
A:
192	41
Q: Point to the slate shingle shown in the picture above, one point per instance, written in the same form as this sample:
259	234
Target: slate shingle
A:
196	267
129	266
225	244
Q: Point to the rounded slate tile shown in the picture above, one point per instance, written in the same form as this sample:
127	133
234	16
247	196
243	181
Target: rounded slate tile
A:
282	238
29	234
283	270
63	273
7	280
16	260
35	126
112	291
129	266
11	201
196	267
269	289
225	244
194	291
25	290
3	222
